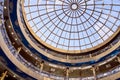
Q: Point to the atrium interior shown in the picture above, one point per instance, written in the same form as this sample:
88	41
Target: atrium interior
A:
59	39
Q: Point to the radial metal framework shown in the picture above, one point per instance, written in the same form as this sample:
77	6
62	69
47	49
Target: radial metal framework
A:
72	24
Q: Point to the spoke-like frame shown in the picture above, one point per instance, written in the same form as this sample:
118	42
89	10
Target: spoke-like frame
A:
60	26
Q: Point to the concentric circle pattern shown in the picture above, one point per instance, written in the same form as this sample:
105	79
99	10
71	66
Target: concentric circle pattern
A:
73	24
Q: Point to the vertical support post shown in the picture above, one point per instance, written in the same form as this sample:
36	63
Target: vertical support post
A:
19	49
118	59
3	76
41	66
90	55
94	72
67	73
67	57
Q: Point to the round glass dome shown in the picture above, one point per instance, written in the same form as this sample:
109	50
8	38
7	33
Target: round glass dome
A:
72	25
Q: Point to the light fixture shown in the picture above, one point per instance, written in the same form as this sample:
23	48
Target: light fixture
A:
16	39
12	33
9	26
14	76
5	7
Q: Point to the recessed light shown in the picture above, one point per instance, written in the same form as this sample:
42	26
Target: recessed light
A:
12	33
9	26
16	39
14	76
5	7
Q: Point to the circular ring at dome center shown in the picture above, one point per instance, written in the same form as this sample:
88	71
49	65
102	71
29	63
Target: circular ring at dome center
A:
74	6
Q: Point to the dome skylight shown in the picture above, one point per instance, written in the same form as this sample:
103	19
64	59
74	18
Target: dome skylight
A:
72	25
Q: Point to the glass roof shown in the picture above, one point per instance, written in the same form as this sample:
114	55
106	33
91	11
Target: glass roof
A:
73	24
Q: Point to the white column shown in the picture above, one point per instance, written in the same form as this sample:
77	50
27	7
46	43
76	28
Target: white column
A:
94	72
67	74
41	67
90	55
67	57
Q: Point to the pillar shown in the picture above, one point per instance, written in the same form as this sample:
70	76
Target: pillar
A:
67	57
19	49
118	59
41	66
90	55
3	75
94	72
67	74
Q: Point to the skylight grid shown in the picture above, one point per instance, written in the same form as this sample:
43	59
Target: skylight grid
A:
73	24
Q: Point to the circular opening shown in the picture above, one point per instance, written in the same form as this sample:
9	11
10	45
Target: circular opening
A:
74	6
72	27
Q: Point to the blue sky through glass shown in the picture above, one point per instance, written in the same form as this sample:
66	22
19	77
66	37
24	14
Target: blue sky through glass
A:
59	25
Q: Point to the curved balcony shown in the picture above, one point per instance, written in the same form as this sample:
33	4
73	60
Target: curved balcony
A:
32	64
